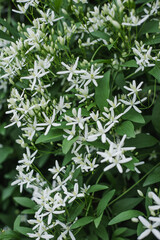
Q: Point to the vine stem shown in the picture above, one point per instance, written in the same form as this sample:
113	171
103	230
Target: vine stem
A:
133	185
103	45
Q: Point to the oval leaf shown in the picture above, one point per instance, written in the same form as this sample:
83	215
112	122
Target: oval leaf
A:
156	115
82	222
102	91
25	202
96	188
104	201
126	128
54	135
133	116
142	140
66	145
153	177
125	216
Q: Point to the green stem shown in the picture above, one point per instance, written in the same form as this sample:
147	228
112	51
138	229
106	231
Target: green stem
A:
103	45
133	185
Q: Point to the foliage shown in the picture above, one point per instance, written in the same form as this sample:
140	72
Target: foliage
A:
81	81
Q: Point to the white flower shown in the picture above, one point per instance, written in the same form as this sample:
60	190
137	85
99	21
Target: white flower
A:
70	132
67	231
113	104
155	219
94	116
24	179
49	122
84	94
100	132
70	69
36	73
56	169
115	155
133	88
111	117
143	57
48	17
28	159
156	200
78	118
150	228
132	103
134	20
60	107
73	195
41	234
92	76
108	155
91	165
135	167
31	129
22	9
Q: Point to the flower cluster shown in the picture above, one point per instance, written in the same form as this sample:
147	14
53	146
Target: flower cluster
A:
77	110
153	222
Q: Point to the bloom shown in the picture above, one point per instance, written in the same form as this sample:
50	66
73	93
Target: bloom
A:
70	69
92	76
150	228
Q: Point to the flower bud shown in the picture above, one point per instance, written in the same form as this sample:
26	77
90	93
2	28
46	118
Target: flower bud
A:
134	220
140	193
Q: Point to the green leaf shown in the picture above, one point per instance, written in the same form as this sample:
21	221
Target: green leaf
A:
125	216
126	204
24	230
54	135
101	231
9	235
152	40
130	164
140	228
82	222
2	129
75	211
133	116
18	228
102	61
97	144
150	27
25	202
148	201
104	202
91	106
98	220
7	219
4	153
156	116
28	211
126	128
119	231
12	30
57	4
17	223
153	177
7	192
130	63
141	140
66	145
67	158
155	72
119	79
102	91
96	188
5	36
102	35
